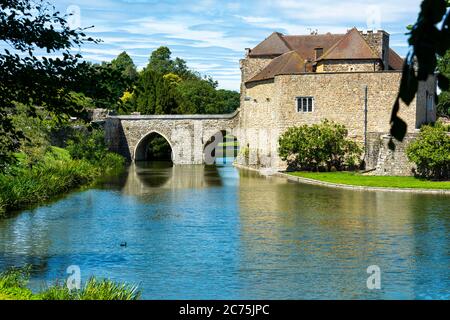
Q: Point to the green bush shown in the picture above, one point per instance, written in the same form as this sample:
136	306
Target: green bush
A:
431	152
91	146
319	146
87	145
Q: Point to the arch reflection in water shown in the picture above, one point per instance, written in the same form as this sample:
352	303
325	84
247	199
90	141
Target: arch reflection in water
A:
252	237
158	176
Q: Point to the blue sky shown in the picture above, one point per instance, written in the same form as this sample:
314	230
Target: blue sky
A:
212	35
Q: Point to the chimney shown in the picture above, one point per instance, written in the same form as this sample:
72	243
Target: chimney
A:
318	53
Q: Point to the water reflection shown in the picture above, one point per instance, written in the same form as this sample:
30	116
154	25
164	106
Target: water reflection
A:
326	238
213	232
143	177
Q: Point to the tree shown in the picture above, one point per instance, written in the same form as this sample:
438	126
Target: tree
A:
227	101
154	94
443	106
431	152
161	62
323	145
428	43
105	85
48	82
124	63
196	96
200	96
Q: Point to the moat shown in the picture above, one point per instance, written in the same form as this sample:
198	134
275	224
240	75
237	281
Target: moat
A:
216	232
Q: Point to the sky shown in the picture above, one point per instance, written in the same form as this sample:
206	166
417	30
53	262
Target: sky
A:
212	35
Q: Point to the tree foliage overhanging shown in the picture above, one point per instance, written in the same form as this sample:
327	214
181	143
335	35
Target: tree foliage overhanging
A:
26	26
443	106
39	70
429	43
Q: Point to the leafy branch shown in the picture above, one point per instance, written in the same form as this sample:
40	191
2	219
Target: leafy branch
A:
428	42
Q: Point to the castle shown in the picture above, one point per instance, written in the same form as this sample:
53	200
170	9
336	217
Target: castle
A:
351	78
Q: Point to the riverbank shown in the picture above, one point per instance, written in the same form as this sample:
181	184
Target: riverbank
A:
55	174
355	181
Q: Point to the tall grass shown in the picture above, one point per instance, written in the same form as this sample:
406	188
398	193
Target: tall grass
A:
55	174
94	289
13	286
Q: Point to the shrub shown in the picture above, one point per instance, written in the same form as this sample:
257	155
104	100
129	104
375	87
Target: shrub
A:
88	145
91	146
431	152
323	145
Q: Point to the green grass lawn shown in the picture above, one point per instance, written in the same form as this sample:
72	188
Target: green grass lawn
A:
355	179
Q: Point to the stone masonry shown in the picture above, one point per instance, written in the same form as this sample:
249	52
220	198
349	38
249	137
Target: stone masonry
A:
331	70
186	134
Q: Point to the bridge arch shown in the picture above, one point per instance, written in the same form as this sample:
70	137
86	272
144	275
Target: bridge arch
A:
186	134
141	149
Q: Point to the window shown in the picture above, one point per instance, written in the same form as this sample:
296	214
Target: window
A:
305	104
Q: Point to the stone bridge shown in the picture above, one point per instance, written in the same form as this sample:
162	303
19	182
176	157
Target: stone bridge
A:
187	134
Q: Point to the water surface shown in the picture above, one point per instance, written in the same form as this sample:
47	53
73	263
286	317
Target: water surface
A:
214	232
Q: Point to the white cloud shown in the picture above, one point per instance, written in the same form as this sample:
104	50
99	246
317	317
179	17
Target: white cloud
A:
211	35
181	28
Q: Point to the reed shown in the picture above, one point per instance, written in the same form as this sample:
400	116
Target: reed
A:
13	287
57	173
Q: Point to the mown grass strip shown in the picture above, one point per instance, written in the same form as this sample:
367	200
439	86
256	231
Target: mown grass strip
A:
356	179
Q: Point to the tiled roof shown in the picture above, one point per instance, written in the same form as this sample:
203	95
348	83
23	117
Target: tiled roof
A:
352	46
288	63
305	45
395	61
296	54
273	45
277	44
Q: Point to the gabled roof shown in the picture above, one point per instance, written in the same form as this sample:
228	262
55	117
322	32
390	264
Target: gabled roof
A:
289	63
351	47
306	44
395	61
277	44
273	45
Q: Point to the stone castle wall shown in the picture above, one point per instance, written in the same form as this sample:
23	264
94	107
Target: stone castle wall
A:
350	66
389	162
270	108
379	43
